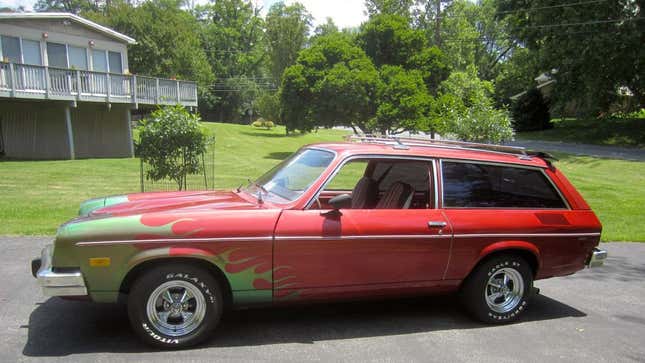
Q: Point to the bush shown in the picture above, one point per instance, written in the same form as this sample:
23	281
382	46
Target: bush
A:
262	123
172	142
531	112
477	124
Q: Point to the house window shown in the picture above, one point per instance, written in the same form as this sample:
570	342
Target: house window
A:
57	55
99	61
10	49
116	65
31	52
77	57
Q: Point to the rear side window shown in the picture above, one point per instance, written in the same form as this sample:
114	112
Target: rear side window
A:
471	185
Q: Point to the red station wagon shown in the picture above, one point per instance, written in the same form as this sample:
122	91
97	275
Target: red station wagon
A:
377	217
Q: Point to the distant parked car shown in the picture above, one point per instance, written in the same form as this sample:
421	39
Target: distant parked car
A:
372	218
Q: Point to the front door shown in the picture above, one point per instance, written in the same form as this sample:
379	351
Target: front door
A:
380	250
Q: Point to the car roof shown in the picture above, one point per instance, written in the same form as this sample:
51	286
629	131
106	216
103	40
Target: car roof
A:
345	149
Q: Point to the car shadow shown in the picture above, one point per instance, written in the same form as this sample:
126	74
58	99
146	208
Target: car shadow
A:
60	328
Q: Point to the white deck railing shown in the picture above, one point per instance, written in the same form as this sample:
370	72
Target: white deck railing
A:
40	82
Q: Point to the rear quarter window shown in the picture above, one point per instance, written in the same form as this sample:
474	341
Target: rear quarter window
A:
473	185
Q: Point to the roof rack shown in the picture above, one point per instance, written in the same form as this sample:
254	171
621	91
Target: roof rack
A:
406	142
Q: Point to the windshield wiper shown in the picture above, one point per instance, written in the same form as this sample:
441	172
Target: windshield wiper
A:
261	189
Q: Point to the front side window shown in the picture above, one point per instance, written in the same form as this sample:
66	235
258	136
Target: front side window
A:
472	185
292	177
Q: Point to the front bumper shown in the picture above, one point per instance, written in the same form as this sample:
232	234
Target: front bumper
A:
57	283
597	258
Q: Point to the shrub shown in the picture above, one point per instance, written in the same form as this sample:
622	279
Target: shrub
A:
172	142
531	112
262	123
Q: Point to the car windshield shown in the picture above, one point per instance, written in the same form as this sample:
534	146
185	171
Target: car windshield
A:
291	178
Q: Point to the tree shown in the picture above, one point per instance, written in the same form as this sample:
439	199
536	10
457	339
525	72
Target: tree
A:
268	105
69	6
172	143
403	102
389	40
167	44
596	48
287	28
332	83
465	109
391	7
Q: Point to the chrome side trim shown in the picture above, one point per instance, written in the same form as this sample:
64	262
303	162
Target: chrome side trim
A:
478	235
173	240
69	283
422	236
361	237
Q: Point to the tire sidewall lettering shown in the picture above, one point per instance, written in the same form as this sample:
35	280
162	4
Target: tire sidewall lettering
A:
520	306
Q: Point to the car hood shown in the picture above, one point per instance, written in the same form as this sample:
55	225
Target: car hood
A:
140	203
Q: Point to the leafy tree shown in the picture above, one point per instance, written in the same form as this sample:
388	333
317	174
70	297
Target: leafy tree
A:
516	75
329	27
172	143
389	39
332	83
596	48
70	6
392	7
403	101
287	28
268	105
465	109
167	44
232	36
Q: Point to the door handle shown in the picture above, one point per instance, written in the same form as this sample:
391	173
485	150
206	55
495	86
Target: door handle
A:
437	224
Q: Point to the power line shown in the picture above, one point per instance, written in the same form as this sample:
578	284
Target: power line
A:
530	10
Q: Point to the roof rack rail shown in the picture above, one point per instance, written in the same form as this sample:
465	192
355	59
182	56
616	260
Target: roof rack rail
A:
406	142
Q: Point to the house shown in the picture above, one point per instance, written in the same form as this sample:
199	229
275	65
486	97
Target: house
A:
65	88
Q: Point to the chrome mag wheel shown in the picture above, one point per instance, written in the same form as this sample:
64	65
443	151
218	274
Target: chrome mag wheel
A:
504	290
176	308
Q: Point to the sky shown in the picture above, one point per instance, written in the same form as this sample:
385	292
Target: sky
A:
345	13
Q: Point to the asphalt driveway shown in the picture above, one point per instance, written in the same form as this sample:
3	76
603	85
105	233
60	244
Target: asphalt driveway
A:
596	315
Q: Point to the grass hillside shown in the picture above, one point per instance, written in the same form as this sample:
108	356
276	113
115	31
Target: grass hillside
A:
37	196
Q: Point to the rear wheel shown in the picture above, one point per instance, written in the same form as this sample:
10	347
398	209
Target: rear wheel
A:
497	291
175	305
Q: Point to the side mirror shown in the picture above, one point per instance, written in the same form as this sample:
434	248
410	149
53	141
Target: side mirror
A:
339	202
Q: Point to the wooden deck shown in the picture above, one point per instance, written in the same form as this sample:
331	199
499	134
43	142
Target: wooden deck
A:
48	83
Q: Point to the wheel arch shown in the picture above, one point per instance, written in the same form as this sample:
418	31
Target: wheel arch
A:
138	268
524	249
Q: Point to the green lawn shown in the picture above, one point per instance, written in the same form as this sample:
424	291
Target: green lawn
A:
615	132
36	196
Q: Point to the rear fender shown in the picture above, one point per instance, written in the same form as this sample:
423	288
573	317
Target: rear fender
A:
502	246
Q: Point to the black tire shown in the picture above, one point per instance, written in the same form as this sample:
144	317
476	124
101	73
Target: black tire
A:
175	274
476	287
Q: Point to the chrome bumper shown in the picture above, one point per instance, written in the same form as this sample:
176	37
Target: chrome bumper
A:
68	283
597	258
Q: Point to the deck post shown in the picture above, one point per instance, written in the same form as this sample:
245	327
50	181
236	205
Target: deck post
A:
78	85
12	79
48	82
133	79
70	132
178	98
128	119
109	87
157	91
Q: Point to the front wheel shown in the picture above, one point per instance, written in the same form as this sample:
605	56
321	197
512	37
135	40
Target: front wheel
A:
175	305
498	290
